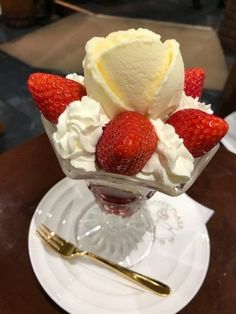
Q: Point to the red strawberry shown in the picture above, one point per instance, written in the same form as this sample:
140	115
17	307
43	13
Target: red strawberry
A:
199	130
193	82
127	143
52	93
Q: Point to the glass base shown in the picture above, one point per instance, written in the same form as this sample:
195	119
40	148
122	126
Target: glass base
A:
124	240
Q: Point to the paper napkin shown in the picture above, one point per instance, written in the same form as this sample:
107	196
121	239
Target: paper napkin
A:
179	222
229	141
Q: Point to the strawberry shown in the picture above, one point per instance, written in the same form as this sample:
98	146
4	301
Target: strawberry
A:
126	144
199	130
52	93
193	82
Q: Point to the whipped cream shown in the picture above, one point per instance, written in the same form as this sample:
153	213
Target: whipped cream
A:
78	131
134	70
171	163
80	127
187	102
75	77
130	70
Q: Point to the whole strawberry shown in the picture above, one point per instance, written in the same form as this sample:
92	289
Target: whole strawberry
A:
127	143
199	130
52	93
193	82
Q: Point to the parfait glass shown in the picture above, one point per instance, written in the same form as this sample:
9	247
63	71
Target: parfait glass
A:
118	225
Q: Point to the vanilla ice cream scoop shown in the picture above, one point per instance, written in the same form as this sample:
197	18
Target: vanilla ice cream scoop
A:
134	70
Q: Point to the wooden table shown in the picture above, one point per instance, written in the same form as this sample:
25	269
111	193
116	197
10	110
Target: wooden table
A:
30	170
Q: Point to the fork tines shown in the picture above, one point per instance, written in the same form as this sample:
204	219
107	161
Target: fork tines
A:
50	237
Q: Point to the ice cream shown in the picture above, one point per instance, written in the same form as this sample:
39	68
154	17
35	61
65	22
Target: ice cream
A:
134	70
131	71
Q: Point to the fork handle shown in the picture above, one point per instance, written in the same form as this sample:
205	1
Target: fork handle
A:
142	280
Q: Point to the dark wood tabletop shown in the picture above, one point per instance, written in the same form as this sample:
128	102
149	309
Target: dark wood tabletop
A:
28	171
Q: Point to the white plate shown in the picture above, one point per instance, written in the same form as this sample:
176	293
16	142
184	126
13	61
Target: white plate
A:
180	257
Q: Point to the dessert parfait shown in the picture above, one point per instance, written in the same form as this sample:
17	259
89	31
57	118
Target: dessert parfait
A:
132	125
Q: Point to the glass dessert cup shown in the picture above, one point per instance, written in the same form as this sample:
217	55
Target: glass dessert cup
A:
118	225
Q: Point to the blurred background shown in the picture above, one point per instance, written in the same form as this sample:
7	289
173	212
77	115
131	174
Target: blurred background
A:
46	35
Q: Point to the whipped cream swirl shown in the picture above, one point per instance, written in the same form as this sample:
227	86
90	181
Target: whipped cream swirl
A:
188	102
171	163
80	127
78	131
75	77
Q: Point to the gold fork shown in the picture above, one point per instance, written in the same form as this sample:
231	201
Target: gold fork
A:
68	249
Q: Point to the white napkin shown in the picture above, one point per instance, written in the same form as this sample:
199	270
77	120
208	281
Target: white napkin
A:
229	141
179	221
